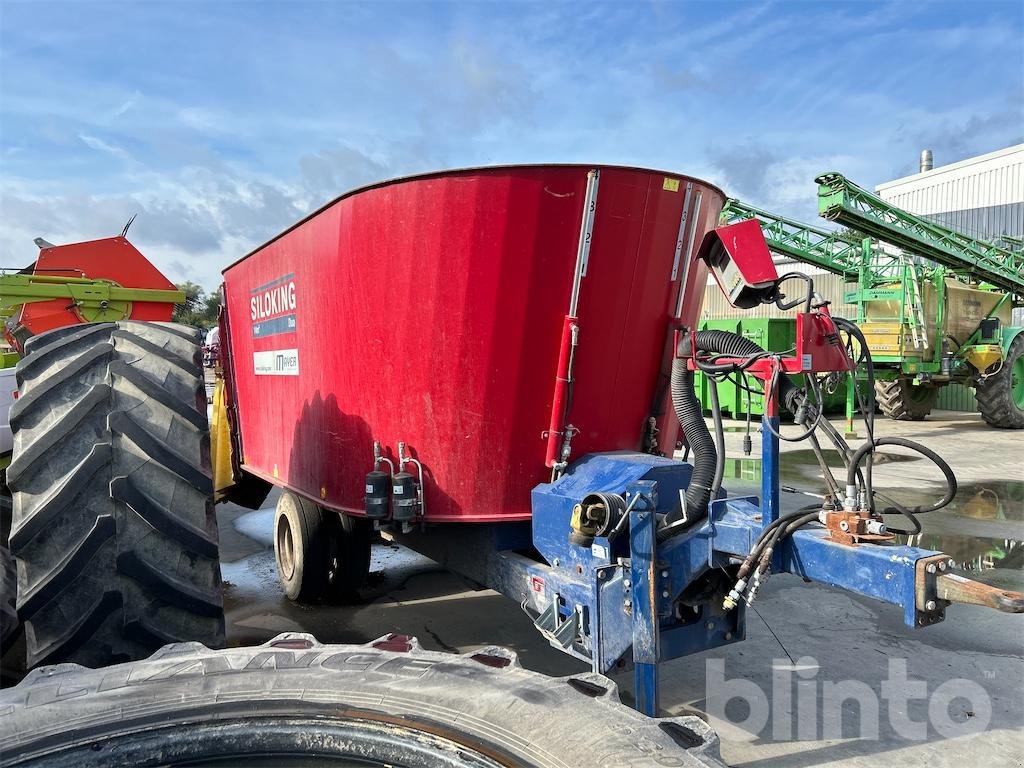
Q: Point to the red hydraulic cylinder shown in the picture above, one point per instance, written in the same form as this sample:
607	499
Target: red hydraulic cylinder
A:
559	405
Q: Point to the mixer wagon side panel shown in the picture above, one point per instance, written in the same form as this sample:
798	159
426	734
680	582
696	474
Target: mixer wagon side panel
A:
430	310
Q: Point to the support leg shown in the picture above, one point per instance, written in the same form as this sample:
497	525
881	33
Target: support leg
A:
769	468
643	597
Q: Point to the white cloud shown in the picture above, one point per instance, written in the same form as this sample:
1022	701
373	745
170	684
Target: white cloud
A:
204	120
127	104
94	142
191	223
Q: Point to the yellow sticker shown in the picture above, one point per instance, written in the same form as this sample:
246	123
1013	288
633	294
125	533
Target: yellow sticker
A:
672	185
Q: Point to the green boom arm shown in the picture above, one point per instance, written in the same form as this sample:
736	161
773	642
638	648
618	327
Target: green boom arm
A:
831	251
839	199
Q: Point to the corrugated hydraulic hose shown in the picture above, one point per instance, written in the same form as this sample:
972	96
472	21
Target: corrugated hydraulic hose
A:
698	437
735	345
691	418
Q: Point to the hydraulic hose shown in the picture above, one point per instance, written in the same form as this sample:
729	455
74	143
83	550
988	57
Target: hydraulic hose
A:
735	345
698	438
706	465
716	411
928	453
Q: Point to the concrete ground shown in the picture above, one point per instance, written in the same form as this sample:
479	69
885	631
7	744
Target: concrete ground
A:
805	643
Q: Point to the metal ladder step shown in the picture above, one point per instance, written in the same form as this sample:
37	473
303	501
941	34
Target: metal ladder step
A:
918	328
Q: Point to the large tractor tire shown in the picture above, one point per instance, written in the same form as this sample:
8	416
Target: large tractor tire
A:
8	596
8	576
321	556
293	701
902	401
1001	395
113	523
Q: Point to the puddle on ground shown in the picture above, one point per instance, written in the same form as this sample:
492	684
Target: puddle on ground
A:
982	529
800	468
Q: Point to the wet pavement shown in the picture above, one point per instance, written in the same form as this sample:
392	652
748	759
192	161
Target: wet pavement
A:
982	529
826	635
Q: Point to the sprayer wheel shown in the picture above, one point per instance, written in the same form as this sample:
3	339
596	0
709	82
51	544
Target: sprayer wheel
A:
321	556
1001	395
113	522
902	401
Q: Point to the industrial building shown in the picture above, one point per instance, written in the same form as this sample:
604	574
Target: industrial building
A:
981	196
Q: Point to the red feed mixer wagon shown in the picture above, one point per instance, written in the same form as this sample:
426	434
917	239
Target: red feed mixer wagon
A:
431	312
495	367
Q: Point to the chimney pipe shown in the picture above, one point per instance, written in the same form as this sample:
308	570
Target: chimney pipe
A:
926	160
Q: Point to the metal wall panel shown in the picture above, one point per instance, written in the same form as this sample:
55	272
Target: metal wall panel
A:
985	223
986	181
828	285
957	397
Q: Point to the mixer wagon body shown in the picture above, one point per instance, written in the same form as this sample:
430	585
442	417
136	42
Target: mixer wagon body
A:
518	341
432	311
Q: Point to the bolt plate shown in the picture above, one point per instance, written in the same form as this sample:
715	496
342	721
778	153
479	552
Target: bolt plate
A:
925	590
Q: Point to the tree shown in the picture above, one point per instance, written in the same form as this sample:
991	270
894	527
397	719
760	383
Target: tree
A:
199	308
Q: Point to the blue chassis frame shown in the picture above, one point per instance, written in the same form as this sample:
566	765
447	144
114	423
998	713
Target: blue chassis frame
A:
600	603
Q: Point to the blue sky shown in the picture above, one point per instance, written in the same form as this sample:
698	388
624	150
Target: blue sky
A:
220	124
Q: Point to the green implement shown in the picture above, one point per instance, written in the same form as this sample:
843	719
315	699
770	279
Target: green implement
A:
842	201
95	301
933	304
832	251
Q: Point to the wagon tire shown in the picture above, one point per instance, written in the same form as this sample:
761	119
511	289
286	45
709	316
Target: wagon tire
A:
384	703
113	524
902	401
349	559
321	556
1001	396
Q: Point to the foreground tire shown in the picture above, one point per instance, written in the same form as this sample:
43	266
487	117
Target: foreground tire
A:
902	401
8	576
387	702
321	556
8	596
1001	396
113	522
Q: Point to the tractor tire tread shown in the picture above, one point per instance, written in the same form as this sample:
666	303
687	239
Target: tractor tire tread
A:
113	520
8	595
386	702
995	393
895	400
